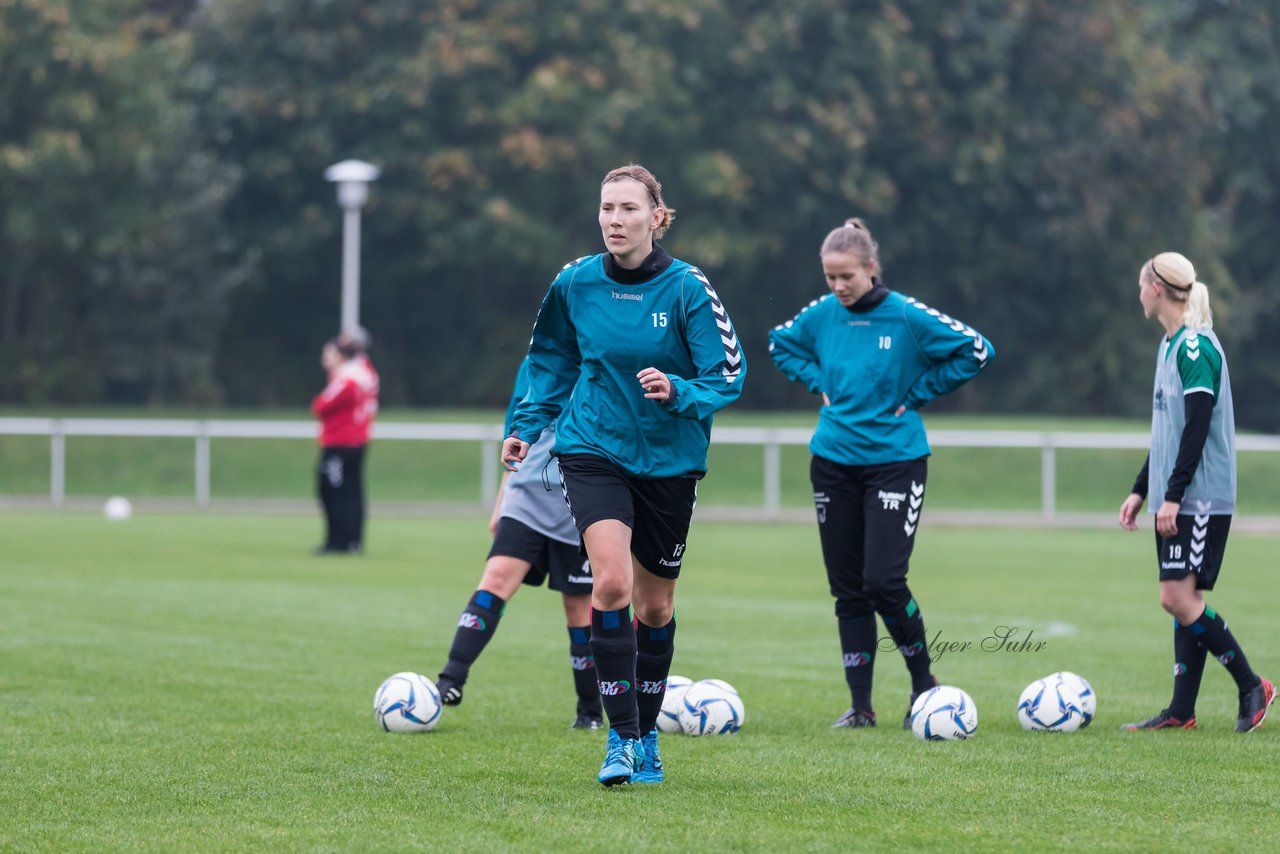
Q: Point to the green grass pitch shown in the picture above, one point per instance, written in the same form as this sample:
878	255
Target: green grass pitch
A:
200	682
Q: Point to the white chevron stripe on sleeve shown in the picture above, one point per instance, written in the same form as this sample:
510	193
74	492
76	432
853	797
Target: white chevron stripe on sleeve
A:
980	351
728	337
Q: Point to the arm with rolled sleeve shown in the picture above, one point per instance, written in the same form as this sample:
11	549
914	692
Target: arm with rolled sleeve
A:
554	361
716	352
955	353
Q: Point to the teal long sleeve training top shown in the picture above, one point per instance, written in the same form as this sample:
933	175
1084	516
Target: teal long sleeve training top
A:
887	350
596	331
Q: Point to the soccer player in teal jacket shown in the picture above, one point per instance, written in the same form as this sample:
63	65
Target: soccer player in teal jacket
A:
632	353
876	356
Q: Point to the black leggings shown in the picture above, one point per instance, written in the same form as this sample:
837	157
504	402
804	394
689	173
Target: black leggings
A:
867	521
340	484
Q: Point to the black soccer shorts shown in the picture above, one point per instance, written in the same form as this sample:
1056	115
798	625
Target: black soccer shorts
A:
1198	547
563	563
656	510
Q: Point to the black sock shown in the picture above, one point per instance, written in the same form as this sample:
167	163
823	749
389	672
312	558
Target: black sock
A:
654	649
858	645
906	627
476	625
584	670
1211	630
1188	666
613	645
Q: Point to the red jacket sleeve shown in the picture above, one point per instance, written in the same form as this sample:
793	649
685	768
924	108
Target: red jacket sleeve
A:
341	393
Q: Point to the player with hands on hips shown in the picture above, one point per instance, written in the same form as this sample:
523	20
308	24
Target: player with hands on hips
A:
876	357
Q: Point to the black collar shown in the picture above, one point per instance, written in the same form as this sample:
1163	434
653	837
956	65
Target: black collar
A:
653	264
871	298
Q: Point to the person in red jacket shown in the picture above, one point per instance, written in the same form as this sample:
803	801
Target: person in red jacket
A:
346	409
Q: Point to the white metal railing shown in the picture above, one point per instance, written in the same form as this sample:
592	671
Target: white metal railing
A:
771	439
205	431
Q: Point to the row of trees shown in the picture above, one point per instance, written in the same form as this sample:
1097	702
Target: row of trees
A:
165	234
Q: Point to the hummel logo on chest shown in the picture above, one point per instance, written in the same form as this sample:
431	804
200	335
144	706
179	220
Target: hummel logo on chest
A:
632	297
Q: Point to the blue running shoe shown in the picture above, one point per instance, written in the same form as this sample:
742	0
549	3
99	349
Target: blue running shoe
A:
623	757
651	772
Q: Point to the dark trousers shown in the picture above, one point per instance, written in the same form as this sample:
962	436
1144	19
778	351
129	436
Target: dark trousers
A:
867	519
340	484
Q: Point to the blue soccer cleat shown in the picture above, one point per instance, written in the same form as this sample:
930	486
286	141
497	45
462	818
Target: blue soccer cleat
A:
651	771
623	757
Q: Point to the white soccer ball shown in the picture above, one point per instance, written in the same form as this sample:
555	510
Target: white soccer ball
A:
117	508
1060	702
944	713
711	707
669	716
407	702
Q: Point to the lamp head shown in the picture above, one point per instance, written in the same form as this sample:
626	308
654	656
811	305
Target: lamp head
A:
352	178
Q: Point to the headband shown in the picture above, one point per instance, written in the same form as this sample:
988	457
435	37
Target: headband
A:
1164	281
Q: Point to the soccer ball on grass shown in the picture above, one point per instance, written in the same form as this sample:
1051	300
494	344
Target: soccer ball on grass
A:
117	508
669	717
944	713
407	702
711	707
1060	702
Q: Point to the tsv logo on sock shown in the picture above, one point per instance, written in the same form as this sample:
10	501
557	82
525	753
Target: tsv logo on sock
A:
469	620
615	689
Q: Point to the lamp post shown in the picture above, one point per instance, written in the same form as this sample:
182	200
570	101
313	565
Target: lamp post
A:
352	178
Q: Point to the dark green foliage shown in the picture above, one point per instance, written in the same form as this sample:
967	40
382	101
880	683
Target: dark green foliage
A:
114	263
1017	161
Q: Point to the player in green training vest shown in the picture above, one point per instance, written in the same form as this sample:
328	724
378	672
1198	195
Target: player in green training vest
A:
1192	470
